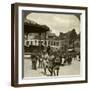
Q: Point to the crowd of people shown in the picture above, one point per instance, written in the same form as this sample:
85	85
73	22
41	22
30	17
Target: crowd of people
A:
51	61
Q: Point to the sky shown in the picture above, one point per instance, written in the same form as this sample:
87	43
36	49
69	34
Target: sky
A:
56	22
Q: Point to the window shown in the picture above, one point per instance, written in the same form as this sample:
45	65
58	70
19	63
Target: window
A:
48	42
54	43
31	42
51	42
58	43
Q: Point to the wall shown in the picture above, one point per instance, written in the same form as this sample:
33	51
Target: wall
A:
5	45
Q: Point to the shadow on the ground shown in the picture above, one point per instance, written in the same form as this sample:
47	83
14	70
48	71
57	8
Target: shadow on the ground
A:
46	74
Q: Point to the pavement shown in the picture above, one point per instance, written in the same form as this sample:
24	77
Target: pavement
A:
73	69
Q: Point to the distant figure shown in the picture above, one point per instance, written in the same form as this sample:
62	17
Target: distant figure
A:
78	57
56	65
69	60
40	60
62	60
48	49
34	62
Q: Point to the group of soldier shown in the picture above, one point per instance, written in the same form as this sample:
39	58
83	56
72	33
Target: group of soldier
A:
50	60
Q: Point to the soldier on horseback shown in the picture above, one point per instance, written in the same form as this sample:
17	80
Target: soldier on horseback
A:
57	62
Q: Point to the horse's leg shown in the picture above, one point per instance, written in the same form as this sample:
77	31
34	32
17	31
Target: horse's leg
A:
44	70
41	64
57	71
38	63
50	70
54	72
51	73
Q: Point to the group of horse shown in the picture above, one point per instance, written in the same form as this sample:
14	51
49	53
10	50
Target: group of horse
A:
51	62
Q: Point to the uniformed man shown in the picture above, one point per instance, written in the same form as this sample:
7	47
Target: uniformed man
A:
34	62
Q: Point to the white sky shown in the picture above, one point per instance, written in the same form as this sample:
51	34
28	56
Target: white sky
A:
56	22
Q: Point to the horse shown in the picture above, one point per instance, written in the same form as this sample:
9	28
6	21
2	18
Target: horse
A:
52	64
46	63
56	65
68	59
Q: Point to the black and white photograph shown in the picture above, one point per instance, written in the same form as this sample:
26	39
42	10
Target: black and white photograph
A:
49	44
